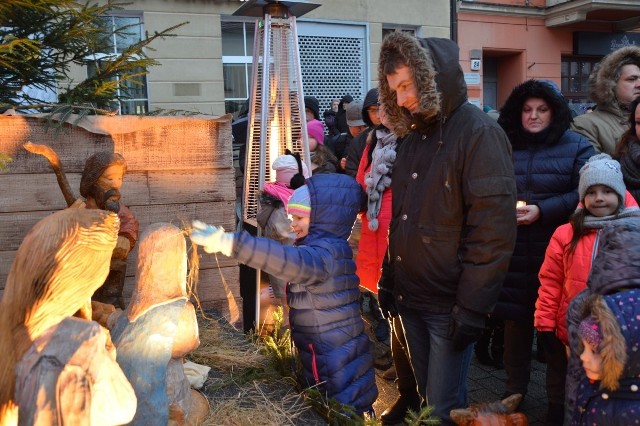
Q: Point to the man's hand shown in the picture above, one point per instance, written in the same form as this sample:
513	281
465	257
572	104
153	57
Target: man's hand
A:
212	238
465	327
463	335
387	302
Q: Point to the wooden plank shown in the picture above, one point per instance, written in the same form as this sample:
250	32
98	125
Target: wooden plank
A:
40	191
14	226
158	143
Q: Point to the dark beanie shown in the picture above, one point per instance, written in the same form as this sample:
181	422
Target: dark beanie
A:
313	104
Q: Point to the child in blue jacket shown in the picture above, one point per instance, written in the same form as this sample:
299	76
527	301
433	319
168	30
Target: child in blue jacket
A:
322	289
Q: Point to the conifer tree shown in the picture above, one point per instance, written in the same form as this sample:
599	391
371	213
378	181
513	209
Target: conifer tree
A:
42	40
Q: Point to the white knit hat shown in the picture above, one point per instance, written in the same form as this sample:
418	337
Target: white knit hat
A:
601	169
286	167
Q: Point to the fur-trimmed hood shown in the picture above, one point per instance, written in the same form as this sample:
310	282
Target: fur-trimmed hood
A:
436	73
618	316
602	82
511	113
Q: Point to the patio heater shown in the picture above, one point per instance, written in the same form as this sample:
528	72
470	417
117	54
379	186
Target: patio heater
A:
277	119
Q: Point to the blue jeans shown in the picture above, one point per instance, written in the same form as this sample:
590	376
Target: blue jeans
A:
441	372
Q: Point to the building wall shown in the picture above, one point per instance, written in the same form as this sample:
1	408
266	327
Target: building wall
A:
189	76
516	38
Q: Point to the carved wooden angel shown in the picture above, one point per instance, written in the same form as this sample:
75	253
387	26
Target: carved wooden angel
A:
157	329
55	368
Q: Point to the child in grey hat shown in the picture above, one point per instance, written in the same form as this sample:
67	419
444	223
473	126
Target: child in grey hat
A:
604	201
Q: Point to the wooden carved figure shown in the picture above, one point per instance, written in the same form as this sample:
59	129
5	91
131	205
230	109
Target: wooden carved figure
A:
157	329
56	368
100	186
498	413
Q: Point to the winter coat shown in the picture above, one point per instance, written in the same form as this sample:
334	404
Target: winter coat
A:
323	160
563	275
546	166
323	293
453	214
604	126
614	269
615	399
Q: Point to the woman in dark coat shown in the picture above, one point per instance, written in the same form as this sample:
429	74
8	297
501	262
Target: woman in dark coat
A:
547	157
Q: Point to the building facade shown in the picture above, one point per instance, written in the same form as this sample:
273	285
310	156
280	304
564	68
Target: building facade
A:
206	66
505	42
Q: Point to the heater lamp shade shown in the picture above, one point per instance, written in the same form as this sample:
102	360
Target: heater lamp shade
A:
277	119
255	8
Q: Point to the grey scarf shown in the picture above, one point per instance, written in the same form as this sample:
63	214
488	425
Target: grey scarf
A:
378	179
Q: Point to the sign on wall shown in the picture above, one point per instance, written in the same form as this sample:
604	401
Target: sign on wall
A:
601	44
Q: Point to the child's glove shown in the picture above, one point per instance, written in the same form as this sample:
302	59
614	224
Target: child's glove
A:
212	238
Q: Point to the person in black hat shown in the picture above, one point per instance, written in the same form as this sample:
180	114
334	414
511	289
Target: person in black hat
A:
341	115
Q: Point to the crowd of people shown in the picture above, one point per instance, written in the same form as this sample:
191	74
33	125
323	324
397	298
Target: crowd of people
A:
477	227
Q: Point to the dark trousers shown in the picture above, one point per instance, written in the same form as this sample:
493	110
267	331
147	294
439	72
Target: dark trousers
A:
405	380
518	342
556	356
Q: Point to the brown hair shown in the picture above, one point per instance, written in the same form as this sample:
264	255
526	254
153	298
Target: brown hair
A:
95	165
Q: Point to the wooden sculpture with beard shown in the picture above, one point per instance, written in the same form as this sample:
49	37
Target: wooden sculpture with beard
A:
157	329
100	186
55	368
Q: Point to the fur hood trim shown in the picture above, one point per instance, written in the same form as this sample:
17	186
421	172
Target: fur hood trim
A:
602	82
439	80
612	348
511	114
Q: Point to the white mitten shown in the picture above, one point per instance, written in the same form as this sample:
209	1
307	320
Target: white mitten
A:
212	238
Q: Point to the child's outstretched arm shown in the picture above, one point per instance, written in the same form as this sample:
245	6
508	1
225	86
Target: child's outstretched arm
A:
298	264
212	238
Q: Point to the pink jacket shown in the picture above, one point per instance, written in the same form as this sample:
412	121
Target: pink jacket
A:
564	275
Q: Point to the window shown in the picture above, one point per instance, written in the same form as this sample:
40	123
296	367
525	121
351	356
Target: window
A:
237	60
574	76
136	100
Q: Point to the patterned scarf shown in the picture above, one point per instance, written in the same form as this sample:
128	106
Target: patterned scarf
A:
378	179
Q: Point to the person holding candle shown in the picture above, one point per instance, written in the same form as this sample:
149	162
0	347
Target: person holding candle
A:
547	157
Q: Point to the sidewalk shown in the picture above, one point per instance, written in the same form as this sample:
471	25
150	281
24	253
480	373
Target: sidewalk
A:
487	384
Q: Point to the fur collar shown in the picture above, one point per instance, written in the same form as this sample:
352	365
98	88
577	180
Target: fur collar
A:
601	81
511	114
436	73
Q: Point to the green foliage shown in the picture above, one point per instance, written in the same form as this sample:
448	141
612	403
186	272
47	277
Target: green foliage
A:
277	345
4	161
424	417
40	42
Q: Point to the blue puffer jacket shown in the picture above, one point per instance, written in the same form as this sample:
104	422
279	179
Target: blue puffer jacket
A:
323	293
546	165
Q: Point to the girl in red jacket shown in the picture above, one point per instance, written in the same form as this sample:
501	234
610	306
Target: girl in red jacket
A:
568	258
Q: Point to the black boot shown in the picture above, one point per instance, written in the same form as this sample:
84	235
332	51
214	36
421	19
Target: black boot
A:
497	344
482	348
398	410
